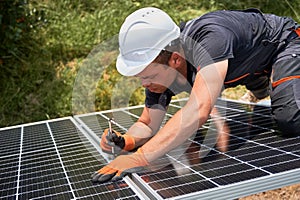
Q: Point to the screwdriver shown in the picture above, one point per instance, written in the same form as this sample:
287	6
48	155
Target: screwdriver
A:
110	134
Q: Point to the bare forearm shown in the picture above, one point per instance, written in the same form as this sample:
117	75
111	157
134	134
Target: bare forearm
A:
147	125
141	133
178	129
222	129
193	115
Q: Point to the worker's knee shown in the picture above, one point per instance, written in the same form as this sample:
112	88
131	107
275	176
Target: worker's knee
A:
288	126
286	108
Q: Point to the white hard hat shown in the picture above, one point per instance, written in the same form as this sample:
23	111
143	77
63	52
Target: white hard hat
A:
142	36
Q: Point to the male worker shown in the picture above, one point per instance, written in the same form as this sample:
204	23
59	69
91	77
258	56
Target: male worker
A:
221	48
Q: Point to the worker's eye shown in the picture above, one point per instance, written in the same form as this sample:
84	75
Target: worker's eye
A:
149	77
152	76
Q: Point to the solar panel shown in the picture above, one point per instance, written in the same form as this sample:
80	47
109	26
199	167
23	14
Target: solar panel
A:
257	157
54	160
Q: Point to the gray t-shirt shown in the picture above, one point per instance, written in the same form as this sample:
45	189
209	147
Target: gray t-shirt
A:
248	39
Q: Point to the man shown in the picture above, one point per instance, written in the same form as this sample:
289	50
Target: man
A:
219	49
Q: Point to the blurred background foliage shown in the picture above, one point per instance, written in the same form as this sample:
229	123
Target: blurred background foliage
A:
44	43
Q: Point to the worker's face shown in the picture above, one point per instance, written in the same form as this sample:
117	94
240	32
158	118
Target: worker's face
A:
157	77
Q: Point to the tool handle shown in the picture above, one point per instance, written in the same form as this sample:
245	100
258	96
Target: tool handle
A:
110	132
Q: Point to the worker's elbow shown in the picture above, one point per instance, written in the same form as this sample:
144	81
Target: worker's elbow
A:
202	118
195	116
202	112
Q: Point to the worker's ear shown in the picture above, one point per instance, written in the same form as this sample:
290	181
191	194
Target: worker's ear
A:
175	60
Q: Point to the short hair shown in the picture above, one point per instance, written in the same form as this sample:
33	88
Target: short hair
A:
165	54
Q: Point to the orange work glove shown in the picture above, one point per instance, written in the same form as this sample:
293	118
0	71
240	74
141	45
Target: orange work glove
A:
120	167
116	143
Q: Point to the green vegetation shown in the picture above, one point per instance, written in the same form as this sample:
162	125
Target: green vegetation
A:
46	44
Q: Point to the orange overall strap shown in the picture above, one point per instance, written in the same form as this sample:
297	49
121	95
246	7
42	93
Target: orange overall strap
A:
298	31
276	83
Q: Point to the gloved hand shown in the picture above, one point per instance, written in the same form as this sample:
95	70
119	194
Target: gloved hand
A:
116	143
120	167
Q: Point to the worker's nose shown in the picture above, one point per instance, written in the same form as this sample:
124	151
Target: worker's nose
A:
145	82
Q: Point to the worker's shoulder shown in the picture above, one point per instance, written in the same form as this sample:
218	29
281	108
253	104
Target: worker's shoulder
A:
229	13
226	19
213	19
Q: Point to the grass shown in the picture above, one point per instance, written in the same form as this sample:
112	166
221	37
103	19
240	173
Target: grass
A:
234	93
39	70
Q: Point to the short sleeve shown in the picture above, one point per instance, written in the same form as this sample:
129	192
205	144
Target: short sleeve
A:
214	45
158	100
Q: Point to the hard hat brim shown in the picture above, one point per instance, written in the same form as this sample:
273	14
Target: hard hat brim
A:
132	68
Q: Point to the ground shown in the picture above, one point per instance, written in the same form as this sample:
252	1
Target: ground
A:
285	193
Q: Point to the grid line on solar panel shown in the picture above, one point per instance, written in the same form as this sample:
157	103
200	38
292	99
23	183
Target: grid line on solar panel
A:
283	166
183	174
118	125
185	160
240	176
267	139
237	159
64	133
80	161
9	142
8	164
42	186
273	159
222	173
275	150
14	182
93	124
107	194
57	195
280	143
185	188
7	184
268	146
163	174
9	175
247	124
135	116
36	137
